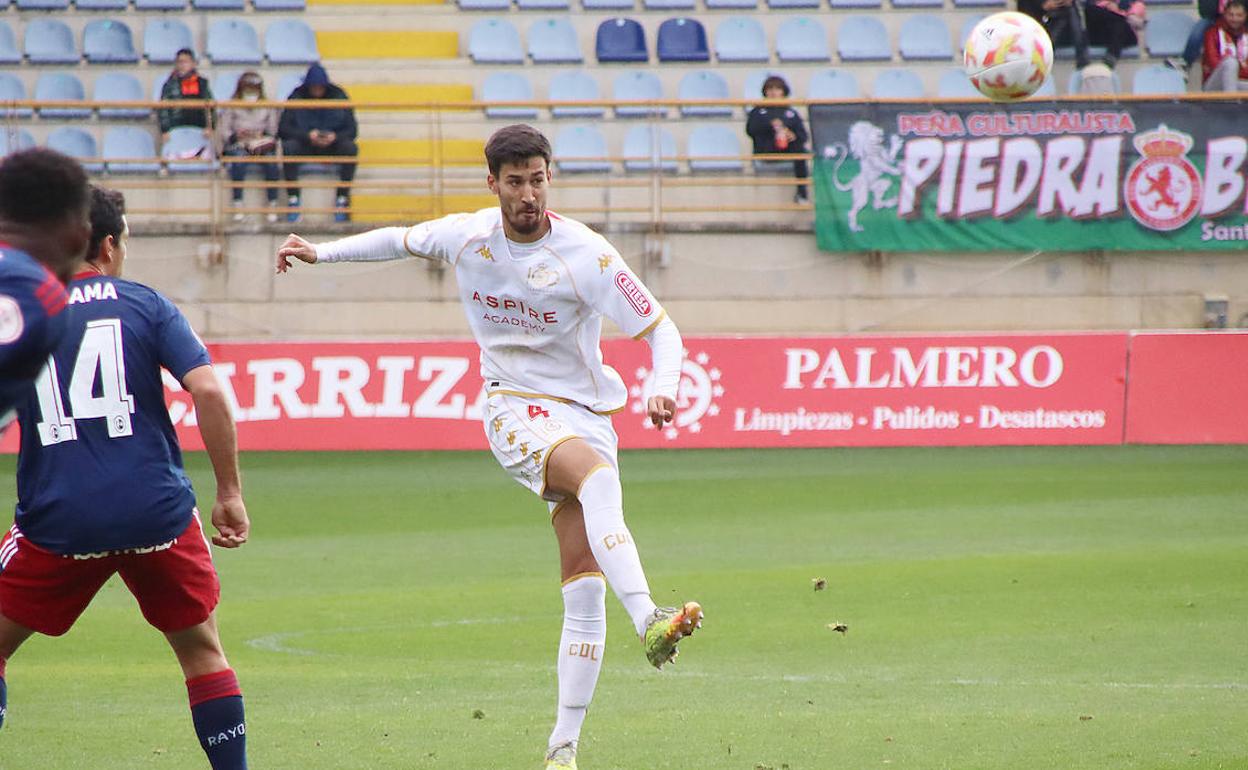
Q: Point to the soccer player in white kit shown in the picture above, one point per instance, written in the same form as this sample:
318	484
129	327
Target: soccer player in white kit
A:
535	286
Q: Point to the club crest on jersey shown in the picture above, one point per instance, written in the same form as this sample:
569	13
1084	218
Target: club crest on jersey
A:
633	293
542	277
11	322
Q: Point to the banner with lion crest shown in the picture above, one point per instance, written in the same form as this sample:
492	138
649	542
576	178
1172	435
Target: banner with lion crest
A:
1156	175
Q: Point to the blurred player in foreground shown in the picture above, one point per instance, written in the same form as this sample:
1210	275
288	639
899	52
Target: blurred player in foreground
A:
101	489
535	286
43	235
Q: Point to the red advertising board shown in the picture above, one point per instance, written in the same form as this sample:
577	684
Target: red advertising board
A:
1188	388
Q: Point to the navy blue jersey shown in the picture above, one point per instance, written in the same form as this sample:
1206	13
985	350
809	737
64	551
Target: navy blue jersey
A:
32	322
100	468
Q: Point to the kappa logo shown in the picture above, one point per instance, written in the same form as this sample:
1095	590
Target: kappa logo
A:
485	253
633	293
11	322
1163	188
695	396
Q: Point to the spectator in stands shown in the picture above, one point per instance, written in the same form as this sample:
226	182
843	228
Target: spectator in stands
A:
1064	23
1225	61
779	130
185	84
1114	24
319	131
1210	12
1110	23
250	132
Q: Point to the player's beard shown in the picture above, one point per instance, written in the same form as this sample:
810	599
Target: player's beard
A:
527	225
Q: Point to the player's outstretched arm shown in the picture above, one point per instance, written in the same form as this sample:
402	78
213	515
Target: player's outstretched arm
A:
216	426
380	245
667	354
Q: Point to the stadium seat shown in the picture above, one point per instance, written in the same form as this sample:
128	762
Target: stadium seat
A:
484	5
15	142
543	5
741	38
12	89
163	38
49	41
788	4
554	41
918	3
649	148
1167	32
714	148
1047	88
855	3
669	5
1158	80
897	84
107	41
621	40
233	41
954	84
575	86
159	5
1075	83
495	41
965	32
608	5
925	37
9	52
186	143
802	39
61	87
508	87
753	88
279	5
102	5
682	40
978	3
581	149
637	86
42	5
863	38
738	5
218	5
287	84
704	84
76	143
834	84
290	41
119	87
127	150
223	83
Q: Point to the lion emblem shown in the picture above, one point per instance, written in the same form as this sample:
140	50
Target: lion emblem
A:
876	166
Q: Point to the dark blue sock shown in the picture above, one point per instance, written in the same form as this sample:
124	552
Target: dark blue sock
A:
217	711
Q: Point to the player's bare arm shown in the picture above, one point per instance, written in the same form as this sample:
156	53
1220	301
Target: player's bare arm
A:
216	426
295	247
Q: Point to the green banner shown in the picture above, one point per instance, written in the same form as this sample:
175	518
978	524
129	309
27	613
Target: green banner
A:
1069	176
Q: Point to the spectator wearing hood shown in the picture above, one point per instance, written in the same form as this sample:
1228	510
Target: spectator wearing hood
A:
185	84
319	131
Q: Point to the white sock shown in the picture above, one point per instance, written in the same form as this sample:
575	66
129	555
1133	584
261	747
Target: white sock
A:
602	500
580	653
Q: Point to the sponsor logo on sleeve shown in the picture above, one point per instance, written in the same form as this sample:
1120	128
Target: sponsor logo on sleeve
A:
633	293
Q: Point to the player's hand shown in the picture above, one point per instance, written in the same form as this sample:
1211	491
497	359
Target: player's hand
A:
229	516
661	410
295	247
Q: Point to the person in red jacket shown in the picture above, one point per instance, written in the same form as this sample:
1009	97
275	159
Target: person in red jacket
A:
1225	60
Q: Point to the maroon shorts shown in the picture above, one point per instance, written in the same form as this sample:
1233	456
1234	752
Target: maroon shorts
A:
175	583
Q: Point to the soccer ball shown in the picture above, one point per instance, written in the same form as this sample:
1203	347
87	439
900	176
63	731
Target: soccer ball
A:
1008	56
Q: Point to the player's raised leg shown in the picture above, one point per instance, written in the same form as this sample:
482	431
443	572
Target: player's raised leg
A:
215	697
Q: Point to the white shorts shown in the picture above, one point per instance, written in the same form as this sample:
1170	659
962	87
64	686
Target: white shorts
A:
524	430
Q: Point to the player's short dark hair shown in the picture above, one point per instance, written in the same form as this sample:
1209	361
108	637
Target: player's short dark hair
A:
518	143
41	186
775	81
108	209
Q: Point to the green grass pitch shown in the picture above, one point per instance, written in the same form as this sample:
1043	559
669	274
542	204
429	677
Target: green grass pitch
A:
1006	608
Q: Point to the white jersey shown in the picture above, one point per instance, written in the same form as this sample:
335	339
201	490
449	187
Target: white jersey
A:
536	309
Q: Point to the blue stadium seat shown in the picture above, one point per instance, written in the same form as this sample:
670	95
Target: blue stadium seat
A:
61	87
925	37
12	89
11	141
863	38
159	5
119	87
287	84
738	5
918	3
1047	88
954	84
834	84
107	41
42	5
1075	83
218	5
787	4
649	148
543	5
1170	2
581	149
76	143
49	41
669	5
682	40
290	41
130	150
495	41
188	151
978	3
484	5
224	82
1158	80
163	38
753	88
508	87
9	52
1167	33
608	5
897	84
102	5
279	5
233	41
802	39
704	84
637	86
714	148
741	38
967	25
855	3
575	86
621	40
554	41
